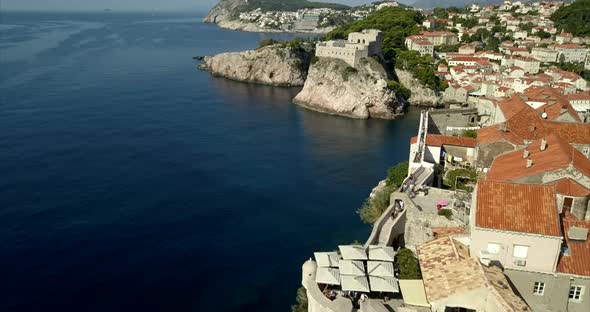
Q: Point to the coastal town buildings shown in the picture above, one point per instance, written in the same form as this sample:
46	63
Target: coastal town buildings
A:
508	158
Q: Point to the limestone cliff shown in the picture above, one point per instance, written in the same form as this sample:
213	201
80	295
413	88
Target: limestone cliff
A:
421	95
273	65
223	11
332	86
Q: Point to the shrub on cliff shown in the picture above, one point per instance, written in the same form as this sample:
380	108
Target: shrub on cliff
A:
267	42
374	207
397	174
349	70
399	89
301	303
409	267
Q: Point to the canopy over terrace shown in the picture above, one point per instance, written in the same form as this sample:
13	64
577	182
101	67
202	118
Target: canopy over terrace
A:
354	283
327	259
380	268
383	284
381	253
353	252
352	267
330	276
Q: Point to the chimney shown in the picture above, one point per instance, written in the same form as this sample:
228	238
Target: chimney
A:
503	127
543	145
563	109
525	153
529	163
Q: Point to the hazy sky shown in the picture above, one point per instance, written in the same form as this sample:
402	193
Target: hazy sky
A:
123	5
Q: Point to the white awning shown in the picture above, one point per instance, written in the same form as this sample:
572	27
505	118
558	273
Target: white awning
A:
381	253
354	283
380	268
384	284
329	276
352	267
327	259
353	252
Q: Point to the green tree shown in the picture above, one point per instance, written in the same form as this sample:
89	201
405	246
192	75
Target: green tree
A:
374	207
301	303
409	267
470	134
574	18
397	174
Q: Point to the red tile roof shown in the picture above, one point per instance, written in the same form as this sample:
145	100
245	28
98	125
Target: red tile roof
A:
572	133
558	155
440	140
569	187
578	261
524	208
494	133
511	106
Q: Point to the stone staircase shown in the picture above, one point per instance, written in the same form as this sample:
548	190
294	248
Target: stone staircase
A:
385	232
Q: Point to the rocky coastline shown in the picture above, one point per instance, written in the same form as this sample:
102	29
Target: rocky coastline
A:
333	87
271	65
421	95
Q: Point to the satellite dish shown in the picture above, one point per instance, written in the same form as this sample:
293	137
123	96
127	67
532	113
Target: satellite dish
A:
544	115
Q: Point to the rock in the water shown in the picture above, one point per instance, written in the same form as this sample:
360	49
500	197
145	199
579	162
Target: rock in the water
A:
421	95
273	65
332	86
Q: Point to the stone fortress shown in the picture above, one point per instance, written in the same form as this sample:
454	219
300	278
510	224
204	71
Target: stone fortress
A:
359	45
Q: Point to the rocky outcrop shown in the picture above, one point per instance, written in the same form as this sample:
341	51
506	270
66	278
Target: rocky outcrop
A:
332	86
421	95
272	65
223	11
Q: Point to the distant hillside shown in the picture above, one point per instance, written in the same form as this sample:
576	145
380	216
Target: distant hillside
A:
430	4
574	18
287	5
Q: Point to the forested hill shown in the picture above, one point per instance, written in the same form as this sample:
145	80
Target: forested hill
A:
574	18
287	5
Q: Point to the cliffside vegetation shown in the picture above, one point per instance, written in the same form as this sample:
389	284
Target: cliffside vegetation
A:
301	303
396	24
574	18
304	49
373	207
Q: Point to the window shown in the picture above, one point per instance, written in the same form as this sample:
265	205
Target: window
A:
539	288
576	293
494	248
520	251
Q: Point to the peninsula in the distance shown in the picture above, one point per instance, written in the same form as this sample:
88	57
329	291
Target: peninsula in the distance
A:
286	16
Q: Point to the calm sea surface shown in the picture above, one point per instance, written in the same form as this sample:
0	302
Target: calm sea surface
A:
130	181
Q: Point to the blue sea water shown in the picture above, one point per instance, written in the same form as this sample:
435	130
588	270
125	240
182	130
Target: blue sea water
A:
130	181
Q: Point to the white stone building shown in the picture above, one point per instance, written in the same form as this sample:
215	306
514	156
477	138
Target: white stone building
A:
359	45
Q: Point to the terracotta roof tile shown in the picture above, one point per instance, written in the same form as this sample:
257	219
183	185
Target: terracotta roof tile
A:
512	106
447	270
572	133
570	187
494	133
440	140
524	208
578	261
557	155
